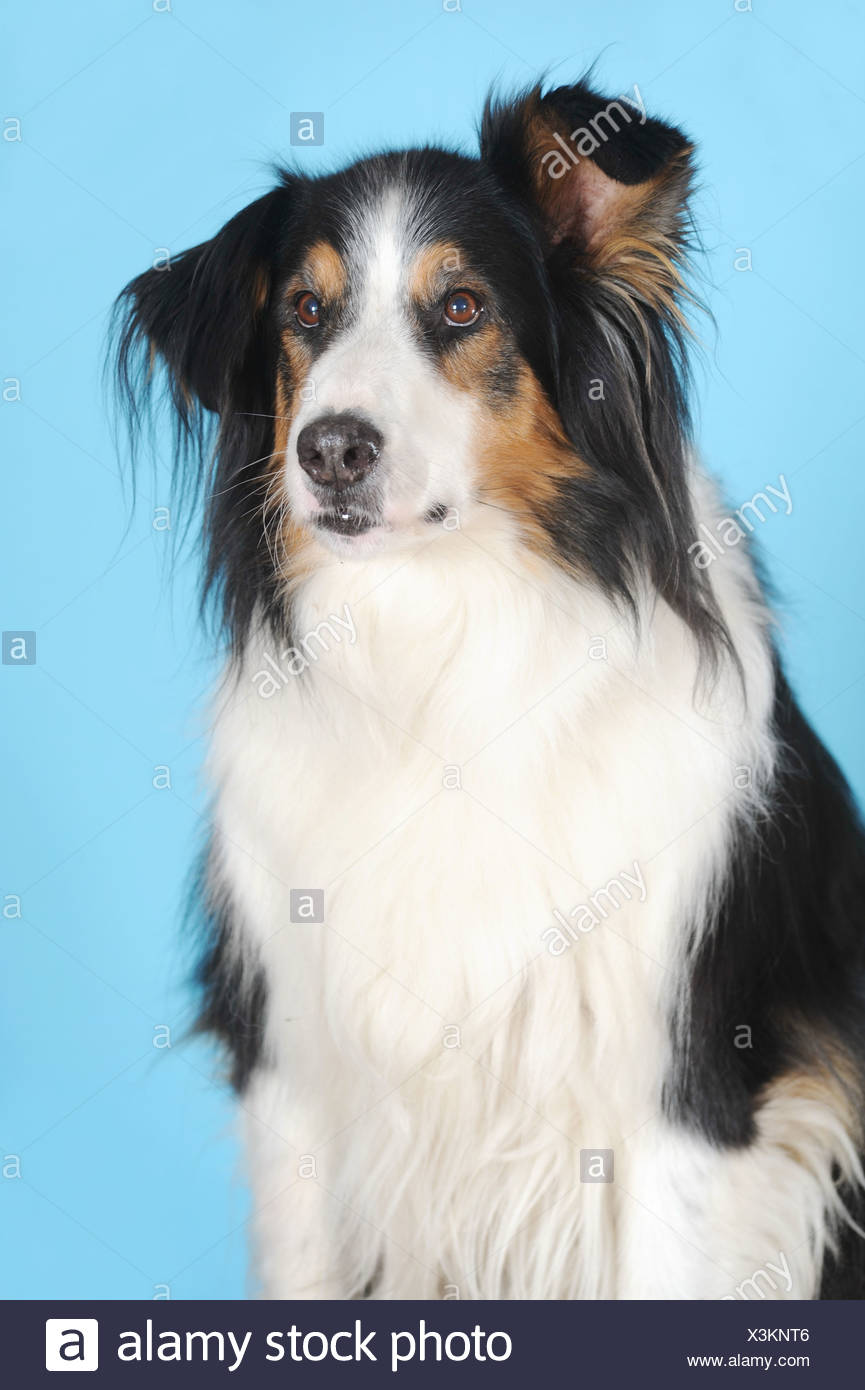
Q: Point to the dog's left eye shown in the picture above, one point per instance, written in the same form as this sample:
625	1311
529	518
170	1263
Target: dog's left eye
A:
462	308
307	309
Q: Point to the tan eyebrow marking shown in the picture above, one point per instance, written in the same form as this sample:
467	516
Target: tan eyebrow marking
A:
435	270
323	270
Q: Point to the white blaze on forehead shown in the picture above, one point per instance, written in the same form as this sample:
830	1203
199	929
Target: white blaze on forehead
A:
376	368
362	368
379	253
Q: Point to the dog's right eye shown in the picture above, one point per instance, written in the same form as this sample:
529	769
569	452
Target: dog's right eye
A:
307	309
462	309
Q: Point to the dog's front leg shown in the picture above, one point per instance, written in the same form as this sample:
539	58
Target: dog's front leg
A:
666	1245
696	1220
296	1221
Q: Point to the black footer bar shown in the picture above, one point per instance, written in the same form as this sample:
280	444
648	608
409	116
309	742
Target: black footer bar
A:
192	1344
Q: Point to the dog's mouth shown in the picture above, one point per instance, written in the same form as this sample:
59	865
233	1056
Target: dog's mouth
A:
349	522
345	521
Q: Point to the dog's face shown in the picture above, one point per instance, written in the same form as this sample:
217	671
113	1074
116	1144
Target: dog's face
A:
397	346
414	325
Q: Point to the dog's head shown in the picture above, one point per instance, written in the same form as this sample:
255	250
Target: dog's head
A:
397	346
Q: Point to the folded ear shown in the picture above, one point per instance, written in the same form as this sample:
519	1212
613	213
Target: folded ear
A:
602	176
203	315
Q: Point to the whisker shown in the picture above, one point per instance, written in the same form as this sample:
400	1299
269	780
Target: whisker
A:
259	487
267	522
261	415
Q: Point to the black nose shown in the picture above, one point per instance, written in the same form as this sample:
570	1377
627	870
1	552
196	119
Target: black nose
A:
338	450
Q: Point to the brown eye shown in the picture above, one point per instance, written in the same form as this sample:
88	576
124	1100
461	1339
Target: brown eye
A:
307	309
462	309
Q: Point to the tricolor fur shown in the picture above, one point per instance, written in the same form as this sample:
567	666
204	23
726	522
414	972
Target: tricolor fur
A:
590	882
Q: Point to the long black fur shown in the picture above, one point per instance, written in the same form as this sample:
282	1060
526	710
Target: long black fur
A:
232	988
785	958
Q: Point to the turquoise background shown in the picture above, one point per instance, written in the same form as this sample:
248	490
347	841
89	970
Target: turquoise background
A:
143	129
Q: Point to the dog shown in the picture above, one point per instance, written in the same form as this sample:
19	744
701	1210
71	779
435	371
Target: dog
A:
533	903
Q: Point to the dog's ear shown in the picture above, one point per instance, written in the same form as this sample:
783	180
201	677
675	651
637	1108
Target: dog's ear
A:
203	315
608	183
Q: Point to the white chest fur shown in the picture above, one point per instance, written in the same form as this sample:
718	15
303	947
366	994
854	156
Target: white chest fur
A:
513	811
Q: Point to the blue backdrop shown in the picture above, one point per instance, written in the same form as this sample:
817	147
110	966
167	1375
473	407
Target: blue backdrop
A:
130	127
